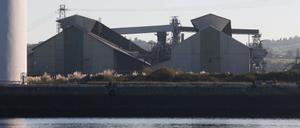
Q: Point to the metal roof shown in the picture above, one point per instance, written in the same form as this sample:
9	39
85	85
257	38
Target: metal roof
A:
115	47
211	20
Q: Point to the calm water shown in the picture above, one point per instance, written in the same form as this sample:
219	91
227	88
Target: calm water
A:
149	123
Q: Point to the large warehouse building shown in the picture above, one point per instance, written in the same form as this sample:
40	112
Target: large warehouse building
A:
87	46
210	49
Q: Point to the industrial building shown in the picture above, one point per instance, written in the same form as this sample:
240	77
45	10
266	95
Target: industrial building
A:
210	49
87	46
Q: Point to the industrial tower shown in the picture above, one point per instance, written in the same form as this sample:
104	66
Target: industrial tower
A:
62	13
13	41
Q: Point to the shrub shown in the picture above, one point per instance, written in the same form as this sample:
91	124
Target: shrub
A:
97	77
76	77
290	76
147	71
107	75
207	78
129	78
163	74
186	77
33	80
221	77
243	78
59	79
46	78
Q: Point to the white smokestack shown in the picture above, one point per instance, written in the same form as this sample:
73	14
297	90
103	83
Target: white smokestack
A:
13	40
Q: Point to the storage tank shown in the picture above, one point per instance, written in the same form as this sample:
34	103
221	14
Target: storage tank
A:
13	40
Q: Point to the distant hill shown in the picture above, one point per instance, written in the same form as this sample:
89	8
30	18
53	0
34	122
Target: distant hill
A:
282	53
286	47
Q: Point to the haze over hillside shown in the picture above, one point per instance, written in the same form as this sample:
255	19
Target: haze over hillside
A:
282	53
285	47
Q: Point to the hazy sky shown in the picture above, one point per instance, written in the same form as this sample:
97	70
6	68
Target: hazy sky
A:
275	18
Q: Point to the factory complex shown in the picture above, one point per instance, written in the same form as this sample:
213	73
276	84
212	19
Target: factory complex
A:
88	46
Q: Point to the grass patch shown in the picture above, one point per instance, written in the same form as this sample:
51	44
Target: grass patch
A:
163	75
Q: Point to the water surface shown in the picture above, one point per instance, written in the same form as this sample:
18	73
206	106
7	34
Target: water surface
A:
148	123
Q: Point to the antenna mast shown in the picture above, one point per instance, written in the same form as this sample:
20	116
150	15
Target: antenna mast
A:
298	56
61	15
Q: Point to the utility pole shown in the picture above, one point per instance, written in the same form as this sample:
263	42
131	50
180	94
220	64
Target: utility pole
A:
298	56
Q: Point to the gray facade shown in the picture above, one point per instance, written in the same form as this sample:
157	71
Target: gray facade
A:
235	55
88	46
47	57
94	55
211	49
75	49
186	55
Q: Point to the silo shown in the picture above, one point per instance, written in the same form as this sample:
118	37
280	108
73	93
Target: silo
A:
13	40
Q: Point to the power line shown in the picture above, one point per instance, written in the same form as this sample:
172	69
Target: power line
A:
136	10
36	23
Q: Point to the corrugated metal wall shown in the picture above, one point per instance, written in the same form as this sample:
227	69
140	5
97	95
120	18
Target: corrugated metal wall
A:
97	56
210	50
126	64
73	50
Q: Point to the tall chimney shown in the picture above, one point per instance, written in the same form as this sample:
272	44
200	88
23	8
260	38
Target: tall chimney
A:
13	41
